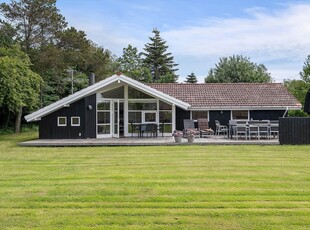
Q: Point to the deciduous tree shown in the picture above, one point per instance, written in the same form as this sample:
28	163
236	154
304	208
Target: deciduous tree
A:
20	86
237	68
37	21
299	88
132	65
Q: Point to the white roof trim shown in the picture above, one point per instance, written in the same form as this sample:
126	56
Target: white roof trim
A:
96	87
297	107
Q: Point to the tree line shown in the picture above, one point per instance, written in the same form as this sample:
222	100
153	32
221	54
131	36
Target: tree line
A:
39	53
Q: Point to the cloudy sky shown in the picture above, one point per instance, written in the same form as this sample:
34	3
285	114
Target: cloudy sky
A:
275	33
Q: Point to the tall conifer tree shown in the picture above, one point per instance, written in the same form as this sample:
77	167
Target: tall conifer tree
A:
191	78
159	61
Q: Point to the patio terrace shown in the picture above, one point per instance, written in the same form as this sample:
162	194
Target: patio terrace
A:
160	141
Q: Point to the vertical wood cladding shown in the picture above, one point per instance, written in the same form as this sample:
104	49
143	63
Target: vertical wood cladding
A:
90	123
87	129
294	130
222	116
180	115
266	114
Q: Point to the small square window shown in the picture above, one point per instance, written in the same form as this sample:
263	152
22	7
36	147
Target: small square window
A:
61	121
75	121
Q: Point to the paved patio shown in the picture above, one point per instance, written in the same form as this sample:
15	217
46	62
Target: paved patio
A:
159	141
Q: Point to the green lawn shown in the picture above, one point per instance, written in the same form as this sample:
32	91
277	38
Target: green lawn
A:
177	187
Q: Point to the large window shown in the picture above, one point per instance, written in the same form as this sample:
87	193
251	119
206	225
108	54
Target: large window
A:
142	111
135	94
135	117
240	115
142	105
149	117
165	116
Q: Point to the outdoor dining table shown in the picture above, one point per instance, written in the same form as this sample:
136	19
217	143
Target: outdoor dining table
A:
144	128
252	127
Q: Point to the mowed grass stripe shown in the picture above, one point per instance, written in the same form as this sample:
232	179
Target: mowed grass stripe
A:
176	187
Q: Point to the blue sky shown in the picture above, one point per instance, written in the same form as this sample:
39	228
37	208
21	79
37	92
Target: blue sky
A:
199	32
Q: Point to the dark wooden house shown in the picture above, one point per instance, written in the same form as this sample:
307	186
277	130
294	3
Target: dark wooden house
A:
110	107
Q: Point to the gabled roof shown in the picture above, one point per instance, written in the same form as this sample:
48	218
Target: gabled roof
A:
193	96
231	95
96	88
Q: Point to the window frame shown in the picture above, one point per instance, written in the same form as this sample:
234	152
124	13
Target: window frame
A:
79	119
61	125
245	111
199	111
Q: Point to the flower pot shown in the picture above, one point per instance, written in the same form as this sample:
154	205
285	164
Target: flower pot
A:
190	139
178	139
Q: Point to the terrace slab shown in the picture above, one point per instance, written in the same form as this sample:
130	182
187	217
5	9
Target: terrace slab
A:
159	141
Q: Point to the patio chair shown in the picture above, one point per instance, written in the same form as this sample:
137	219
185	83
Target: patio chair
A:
161	129
264	127
253	130
203	126
189	126
135	128
241	129
274	128
149	129
220	128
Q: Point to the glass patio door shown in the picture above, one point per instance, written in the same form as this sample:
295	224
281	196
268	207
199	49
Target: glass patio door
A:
104	119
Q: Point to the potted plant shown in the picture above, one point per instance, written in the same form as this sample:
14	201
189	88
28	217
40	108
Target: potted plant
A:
178	135
190	136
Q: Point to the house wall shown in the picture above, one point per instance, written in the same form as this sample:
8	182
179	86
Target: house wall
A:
266	114
225	115
180	115
222	116
48	128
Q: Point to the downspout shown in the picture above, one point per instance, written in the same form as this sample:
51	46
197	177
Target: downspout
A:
285	112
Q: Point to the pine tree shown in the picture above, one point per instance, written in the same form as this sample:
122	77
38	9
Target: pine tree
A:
160	62
191	78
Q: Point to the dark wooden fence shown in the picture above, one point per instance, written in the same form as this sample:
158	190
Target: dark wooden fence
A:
294	130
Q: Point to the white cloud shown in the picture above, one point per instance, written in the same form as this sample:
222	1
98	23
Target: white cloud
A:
265	36
277	35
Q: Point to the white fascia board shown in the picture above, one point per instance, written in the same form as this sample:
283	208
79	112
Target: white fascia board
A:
247	108
155	93
69	99
96	87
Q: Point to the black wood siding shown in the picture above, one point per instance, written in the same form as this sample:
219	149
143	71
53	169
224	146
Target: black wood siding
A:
266	114
294	130
48	128
90	124
180	115
223	117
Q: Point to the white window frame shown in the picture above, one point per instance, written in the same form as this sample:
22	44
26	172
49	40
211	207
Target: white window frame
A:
79	119
144	112
58	124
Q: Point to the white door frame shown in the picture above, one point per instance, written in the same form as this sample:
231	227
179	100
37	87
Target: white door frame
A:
115	126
